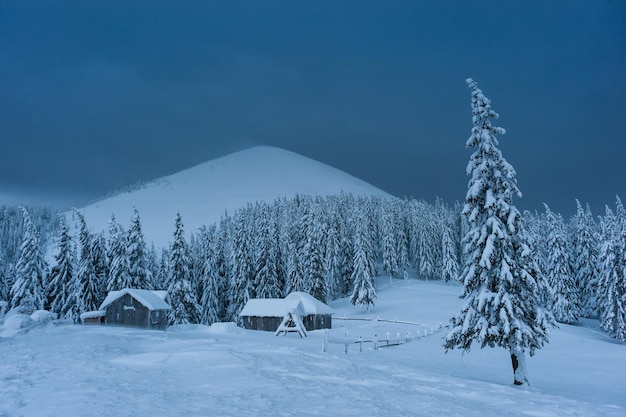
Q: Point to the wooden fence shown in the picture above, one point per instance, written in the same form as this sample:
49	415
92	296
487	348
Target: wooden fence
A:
378	342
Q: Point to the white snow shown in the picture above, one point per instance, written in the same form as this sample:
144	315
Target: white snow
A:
152	300
271	307
222	370
93	314
310	304
298	302
202	194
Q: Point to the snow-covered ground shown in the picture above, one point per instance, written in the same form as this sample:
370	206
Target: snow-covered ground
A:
71	370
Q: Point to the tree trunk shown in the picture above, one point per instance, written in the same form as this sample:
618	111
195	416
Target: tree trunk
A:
518	361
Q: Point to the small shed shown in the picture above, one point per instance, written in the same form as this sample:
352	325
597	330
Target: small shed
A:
93	317
268	313
138	308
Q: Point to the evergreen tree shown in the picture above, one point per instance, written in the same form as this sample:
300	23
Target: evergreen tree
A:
153	266
242	282
313	253
185	309
138	270
61	276
585	259
564	301
118	258
332	262
403	246
86	287
612	284
29	289
364	292
450	267
100	262
266	269
502	306
210	299
4	286
389	242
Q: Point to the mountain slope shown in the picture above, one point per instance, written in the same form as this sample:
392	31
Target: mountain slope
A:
203	193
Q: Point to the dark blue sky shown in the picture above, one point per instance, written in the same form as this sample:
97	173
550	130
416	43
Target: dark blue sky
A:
98	95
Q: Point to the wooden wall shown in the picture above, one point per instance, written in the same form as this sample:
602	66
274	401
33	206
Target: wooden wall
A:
270	324
127	311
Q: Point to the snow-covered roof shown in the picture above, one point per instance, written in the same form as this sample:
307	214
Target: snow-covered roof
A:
301	303
310	304
152	300
92	314
271	307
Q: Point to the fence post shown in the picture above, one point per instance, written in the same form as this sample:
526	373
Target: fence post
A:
360	343
325	345
376	342
346	344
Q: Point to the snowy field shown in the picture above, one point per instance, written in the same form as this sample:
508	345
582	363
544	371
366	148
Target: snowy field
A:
70	370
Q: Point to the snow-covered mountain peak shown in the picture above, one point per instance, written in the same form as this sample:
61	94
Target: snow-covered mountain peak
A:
204	192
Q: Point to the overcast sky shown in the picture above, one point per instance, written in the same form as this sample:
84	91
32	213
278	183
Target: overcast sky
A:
98	95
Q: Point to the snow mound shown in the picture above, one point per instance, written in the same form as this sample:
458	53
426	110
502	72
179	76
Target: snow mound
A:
18	323
224	328
203	194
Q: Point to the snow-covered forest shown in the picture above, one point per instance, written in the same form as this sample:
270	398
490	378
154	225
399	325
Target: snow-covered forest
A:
331	247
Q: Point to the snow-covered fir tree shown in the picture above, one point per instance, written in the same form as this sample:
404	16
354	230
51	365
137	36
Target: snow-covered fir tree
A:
29	289
138	270
153	266
185	309
85	286
403	244
331	261
585	259
346	251
266	280
364	292
450	263
313	252
4	287
295	277
612	284
61	275
241	287
100	262
118	257
565	301
210	298
502	306
389	241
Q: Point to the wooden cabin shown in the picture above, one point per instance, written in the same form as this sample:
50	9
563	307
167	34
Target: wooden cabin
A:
268	313
137	308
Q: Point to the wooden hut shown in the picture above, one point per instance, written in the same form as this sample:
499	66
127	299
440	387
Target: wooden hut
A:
138	308
268	313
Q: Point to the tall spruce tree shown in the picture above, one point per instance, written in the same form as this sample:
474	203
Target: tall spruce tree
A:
185	309
502	306
313	252
241	287
29	289
265	260
118	257
85	286
138	270
210	298
61	275
565	301
363	292
612	283
586	259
